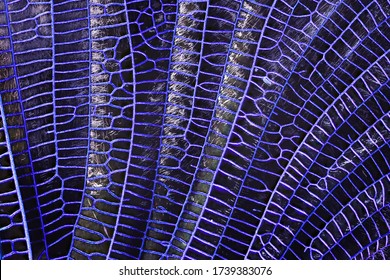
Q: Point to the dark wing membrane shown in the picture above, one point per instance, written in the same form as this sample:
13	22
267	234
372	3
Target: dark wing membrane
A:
286	31
151	25
14	236
18	167
194	129
111	104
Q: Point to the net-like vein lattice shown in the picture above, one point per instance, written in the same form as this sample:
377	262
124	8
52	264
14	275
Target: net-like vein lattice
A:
194	129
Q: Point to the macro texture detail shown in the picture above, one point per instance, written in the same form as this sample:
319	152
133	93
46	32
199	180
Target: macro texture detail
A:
195	129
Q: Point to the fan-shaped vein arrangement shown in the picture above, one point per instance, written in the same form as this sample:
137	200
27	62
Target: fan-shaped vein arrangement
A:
183	129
